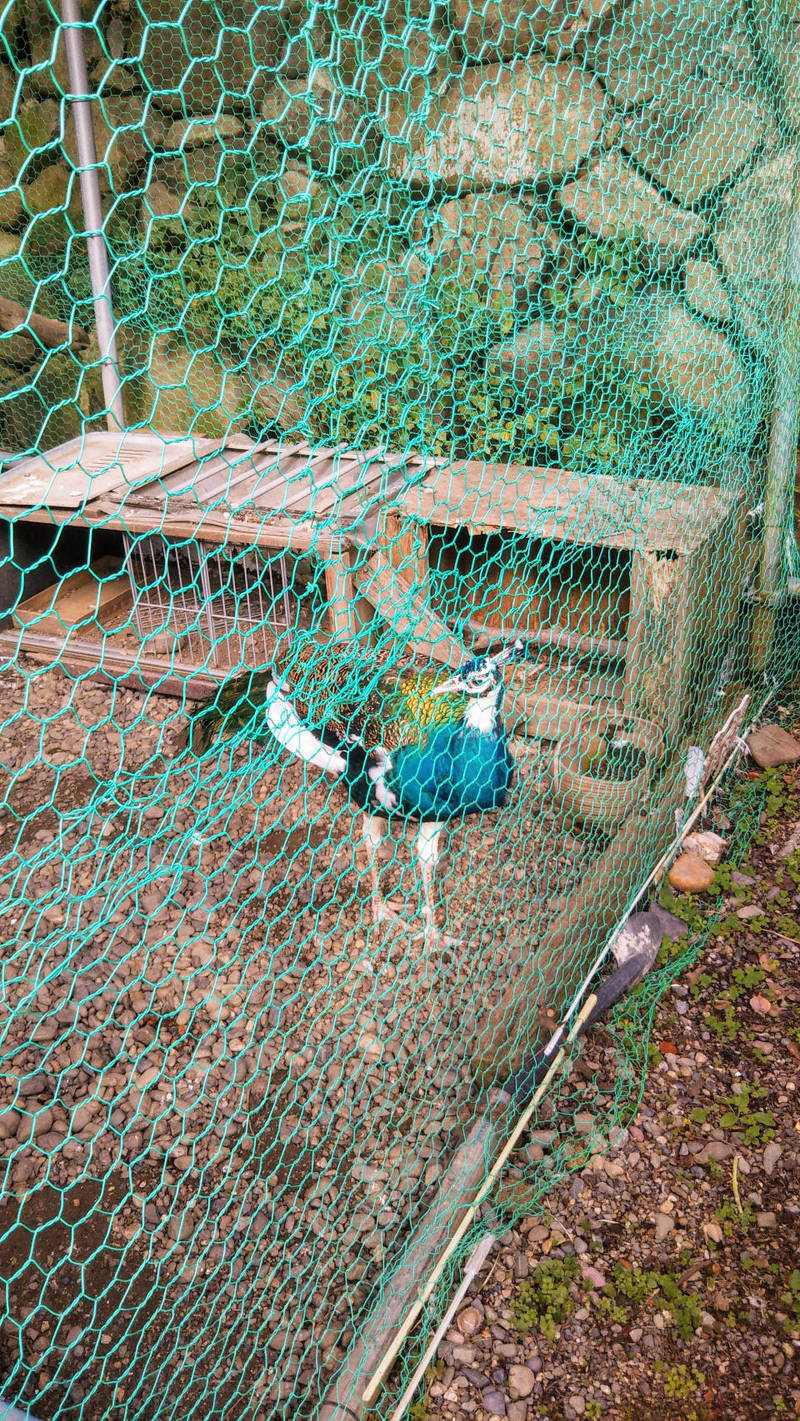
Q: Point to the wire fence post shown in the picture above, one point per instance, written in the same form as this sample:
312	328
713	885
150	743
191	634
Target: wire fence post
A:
93	213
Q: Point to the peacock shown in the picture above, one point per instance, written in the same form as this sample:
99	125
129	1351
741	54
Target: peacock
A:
409	745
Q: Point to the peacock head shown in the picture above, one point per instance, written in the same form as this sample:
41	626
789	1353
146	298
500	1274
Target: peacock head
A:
482	675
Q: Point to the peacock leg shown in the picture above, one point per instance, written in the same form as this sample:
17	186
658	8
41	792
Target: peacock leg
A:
426	848
383	911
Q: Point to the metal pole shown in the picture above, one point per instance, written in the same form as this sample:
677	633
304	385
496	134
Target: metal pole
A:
782	457
93	213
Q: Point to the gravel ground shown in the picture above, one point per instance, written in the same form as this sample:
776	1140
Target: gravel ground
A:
223	1100
222	1097
660	1280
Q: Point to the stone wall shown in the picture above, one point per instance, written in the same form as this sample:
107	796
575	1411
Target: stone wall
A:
348	222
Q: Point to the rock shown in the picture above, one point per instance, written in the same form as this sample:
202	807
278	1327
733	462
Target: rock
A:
664	1225
652	51
33	130
772	1153
750	910
370	65
533	356
9	1123
125	140
506	124
487	235
192	76
521	1381
613	200
508	28
335	129
193	133
691	874
178	388
469	1321
576	1404
463	1356
494	1403
698	141
767	1220
714	1150
770	746
11	209
713	1231
751	240
778	36
691	364
49	190
517	1411
705	291
708	845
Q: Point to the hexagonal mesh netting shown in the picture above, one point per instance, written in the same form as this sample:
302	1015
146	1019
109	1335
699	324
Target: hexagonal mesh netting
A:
398	406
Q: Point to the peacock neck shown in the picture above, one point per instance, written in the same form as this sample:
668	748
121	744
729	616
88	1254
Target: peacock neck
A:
483	713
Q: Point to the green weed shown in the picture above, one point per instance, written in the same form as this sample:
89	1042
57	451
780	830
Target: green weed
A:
544	1300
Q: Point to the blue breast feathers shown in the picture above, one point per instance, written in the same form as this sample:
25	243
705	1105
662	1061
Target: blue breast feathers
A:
451	772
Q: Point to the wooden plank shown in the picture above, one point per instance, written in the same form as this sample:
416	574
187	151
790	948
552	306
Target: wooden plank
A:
108	663
657	665
92	594
555	503
346	615
406	544
407	613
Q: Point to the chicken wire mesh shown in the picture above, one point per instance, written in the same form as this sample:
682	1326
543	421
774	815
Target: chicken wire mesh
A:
313	830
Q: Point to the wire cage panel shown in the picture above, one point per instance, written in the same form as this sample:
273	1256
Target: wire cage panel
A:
217	606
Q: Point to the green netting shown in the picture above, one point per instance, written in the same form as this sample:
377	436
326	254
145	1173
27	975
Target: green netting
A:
377	605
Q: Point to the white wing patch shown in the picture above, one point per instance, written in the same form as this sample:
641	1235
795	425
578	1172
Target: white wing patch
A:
289	731
384	796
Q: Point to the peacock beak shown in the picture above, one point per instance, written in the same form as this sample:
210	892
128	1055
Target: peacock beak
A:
448	687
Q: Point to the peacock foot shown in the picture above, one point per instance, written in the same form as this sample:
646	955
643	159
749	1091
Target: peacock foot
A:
386	910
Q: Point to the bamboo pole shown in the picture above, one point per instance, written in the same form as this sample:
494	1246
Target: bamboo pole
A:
93	213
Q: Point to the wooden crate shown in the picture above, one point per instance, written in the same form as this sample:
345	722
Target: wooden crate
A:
672	550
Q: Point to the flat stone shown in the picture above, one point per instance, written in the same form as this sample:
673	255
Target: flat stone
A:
767	1220
487	235
533	356
613	200
694	366
664	1225
48	191
779	39
749	911
691	874
708	845
494	1403
771	746
500	124
772	1153
706	292
183	135
335	130
651	51
521	1381
714	1150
